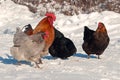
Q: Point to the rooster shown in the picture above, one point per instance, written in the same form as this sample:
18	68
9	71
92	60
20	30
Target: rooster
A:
46	25
28	48
95	42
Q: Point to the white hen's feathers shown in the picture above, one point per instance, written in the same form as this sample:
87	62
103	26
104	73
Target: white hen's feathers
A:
29	48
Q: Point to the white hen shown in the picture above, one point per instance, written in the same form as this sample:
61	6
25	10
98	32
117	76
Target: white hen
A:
28	48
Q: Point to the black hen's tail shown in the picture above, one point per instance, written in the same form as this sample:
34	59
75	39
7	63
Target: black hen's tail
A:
88	34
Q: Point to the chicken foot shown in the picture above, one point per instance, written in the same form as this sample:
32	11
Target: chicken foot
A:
37	63
99	57
88	56
37	66
18	63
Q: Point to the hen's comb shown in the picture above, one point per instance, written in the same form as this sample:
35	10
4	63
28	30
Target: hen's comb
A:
51	15
100	23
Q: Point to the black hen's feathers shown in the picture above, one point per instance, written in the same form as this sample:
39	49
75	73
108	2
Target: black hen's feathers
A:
95	42
88	34
62	47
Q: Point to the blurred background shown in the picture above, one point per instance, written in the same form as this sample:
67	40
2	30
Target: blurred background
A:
70	7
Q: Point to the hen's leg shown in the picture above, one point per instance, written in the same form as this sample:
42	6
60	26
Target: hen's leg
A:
40	61
18	63
37	66
88	56
99	57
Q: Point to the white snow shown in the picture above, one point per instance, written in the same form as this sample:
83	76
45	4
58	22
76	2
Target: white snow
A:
76	67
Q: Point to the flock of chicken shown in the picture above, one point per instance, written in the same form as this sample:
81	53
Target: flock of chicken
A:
32	44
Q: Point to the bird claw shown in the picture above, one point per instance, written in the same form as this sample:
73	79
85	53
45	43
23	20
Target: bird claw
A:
88	57
40	61
37	63
37	66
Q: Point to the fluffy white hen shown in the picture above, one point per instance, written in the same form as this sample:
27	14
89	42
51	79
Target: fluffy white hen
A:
28	48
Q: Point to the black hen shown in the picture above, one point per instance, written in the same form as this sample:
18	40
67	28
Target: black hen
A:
95	42
62	47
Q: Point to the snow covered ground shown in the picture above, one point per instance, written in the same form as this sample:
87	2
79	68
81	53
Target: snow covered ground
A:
76	67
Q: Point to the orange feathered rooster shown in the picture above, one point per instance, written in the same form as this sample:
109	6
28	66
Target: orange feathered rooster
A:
46	26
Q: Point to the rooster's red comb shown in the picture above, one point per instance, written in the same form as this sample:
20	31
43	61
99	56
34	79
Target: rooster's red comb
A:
48	14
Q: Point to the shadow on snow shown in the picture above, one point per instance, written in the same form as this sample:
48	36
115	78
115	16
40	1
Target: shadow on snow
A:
11	60
83	55
49	57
